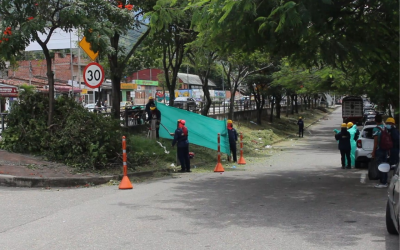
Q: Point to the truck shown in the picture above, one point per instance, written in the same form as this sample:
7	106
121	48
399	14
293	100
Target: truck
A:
352	109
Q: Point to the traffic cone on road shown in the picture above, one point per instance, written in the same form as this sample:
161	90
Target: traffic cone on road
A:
125	182
219	167
241	161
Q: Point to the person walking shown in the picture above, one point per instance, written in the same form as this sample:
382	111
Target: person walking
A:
344	146
233	137
394	133
378	153
155	120
353	142
181	139
149	103
300	123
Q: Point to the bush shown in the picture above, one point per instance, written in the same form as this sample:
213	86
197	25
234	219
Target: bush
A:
143	152
77	137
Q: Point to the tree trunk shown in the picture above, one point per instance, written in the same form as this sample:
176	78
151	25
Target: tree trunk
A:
272	105
278	99
301	104
295	104
287	105
259	106
50	77
292	104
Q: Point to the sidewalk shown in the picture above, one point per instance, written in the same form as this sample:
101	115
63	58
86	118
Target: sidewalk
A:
19	170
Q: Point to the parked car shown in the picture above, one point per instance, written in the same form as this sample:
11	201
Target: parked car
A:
392	204
369	123
365	144
186	103
92	107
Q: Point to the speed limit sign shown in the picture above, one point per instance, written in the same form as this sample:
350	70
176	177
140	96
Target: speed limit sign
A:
93	75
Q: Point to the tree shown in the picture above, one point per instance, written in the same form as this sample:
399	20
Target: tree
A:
237	66
171	31
203	59
106	34
22	21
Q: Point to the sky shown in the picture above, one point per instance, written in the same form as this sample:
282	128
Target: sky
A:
59	40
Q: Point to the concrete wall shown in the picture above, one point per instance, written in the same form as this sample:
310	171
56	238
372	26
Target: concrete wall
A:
248	114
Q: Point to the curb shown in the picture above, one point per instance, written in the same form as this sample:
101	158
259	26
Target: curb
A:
19	181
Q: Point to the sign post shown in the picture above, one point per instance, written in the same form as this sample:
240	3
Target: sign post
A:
93	75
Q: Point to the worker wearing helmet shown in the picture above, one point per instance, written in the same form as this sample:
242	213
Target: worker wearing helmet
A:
181	139
354	134
394	132
155	121
149	103
344	146
300	123
232	140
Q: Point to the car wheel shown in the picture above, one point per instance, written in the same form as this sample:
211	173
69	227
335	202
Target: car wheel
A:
358	164
391	228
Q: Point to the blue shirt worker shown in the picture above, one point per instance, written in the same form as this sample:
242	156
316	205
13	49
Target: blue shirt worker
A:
233	137
380	155
181	139
301	126
344	145
394	133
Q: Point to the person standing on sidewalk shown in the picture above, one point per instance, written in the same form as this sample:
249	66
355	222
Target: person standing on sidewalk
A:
394	133
181	139
233	137
379	154
300	123
344	146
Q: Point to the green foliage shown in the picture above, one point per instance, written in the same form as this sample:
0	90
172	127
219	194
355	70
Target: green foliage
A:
77	137
142	152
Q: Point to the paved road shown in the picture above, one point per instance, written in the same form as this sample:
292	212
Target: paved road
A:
297	199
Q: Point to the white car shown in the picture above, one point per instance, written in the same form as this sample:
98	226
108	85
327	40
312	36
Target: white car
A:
91	107
365	145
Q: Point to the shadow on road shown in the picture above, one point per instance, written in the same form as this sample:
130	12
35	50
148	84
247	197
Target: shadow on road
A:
322	206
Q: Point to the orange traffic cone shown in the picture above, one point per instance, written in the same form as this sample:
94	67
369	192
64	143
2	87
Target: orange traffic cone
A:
125	182
219	167
241	159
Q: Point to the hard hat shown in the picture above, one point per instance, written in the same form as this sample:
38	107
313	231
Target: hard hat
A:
229	121
390	120
349	125
344	125
183	122
300	117
150	98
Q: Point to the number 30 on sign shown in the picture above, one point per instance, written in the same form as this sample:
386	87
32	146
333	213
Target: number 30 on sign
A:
93	75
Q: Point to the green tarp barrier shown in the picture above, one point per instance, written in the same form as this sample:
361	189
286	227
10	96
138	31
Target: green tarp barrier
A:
203	131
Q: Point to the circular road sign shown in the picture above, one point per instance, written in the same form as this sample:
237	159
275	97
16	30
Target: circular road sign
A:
93	75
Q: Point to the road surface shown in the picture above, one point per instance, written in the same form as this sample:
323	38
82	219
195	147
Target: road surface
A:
298	198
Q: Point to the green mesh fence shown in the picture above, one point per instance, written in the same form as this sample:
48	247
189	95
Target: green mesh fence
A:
203	131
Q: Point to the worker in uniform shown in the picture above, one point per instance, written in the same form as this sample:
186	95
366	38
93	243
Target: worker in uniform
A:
149	103
353	142
181	139
300	123
232	134
155	120
344	146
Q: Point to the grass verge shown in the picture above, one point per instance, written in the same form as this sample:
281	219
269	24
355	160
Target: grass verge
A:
148	155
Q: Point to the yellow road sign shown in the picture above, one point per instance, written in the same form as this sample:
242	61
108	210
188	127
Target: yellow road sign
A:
85	45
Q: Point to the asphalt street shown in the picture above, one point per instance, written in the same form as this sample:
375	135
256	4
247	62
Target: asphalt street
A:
297	198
